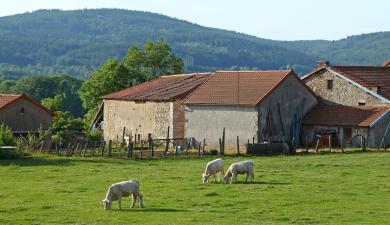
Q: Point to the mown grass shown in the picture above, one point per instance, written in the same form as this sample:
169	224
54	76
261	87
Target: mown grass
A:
306	189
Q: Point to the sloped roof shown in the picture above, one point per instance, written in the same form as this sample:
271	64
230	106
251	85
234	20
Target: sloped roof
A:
164	88
246	88
340	115
366	76
7	99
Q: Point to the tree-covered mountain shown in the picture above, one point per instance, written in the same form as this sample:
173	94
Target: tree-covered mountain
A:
78	42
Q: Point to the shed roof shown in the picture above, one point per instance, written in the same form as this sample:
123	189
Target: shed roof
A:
246	88
164	88
341	115
8	99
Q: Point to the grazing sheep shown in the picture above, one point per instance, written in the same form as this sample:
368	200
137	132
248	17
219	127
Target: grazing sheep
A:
123	189
212	168
244	167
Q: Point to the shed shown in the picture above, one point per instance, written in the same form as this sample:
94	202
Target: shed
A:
260	105
24	114
150	107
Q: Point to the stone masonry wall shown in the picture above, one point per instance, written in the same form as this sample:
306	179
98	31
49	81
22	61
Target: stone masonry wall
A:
343	92
137	117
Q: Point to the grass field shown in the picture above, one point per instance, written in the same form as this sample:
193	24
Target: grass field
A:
302	189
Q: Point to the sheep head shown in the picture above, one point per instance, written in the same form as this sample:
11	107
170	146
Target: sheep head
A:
106	204
205	178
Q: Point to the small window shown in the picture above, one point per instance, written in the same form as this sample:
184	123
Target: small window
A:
330	84
362	103
21	112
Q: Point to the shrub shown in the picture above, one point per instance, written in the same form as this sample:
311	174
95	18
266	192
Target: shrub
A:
6	137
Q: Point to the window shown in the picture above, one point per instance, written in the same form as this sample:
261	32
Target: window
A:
361	102
330	84
21	112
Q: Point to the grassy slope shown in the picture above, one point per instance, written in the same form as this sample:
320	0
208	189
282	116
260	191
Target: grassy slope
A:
326	189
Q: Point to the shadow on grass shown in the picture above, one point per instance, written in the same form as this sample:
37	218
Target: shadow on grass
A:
150	210
33	161
258	182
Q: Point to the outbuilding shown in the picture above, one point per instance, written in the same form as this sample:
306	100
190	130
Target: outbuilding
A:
24	114
264	106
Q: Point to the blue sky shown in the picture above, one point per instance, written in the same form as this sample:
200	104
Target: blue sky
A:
273	19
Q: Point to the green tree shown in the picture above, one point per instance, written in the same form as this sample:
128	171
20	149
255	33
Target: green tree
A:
54	104
111	77
64	121
153	60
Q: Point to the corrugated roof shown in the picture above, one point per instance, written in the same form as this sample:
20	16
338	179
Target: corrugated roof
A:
7	99
237	87
164	88
340	115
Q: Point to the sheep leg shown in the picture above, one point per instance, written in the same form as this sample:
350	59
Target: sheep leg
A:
246	179
120	202
215	179
134	199
234	178
252	176
141	203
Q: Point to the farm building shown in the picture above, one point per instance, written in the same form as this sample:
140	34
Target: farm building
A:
346	124
354	102
24	114
149	107
259	105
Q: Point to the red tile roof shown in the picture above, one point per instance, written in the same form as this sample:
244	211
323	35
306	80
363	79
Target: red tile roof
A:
367	76
340	115
7	99
164	88
238	87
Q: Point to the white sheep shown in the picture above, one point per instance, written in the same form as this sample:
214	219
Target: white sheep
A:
213	168
244	167
123	189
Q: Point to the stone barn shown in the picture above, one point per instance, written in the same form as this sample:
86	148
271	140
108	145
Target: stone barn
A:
264	105
24	114
353	100
149	107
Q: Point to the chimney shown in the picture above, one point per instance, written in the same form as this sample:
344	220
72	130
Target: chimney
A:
386	63
322	63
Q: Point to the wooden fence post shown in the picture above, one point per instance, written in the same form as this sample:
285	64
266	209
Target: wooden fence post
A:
204	145
199	146
166	144
363	143
176	148
238	145
220	146
123	136
130	150
110	148
85	147
223	141
103	146
318	142
306	145
330	143
150	143
142	148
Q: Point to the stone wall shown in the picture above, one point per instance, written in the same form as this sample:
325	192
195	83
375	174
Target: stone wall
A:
343	92
32	118
137	117
203	121
293	99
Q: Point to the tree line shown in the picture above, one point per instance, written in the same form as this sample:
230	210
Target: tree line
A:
76	101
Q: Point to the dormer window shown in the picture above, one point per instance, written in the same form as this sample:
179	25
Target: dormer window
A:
21	112
329	84
362	102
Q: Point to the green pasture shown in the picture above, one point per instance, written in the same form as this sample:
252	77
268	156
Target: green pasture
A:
335	188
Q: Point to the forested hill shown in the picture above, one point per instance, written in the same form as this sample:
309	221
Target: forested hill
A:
77	42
